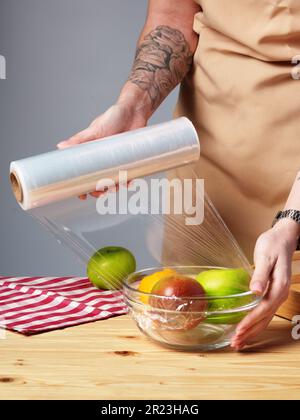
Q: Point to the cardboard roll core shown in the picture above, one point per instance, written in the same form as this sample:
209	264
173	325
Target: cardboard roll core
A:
16	187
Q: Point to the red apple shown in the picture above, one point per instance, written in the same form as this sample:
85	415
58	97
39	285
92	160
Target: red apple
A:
178	308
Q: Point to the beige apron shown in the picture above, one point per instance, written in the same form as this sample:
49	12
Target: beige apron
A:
245	104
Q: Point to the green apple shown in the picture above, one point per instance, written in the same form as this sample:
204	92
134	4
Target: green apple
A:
225	282
109	266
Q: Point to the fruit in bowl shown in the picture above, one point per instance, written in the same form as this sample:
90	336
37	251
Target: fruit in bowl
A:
147	283
109	267
225	282
180	315
181	300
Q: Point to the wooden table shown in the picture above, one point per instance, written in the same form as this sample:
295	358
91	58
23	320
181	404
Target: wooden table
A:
112	360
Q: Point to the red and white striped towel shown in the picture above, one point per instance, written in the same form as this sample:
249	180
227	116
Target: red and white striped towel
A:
31	305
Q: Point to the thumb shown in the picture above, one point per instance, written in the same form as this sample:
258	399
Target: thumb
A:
83	136
261	275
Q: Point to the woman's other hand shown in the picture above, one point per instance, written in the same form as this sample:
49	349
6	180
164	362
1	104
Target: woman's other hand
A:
271	278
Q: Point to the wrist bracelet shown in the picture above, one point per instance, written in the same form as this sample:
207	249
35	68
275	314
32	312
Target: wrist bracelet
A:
289	214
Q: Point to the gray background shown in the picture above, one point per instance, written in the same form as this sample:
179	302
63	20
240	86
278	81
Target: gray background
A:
66	62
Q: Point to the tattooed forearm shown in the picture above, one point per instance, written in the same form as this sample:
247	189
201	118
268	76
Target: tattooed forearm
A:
161	62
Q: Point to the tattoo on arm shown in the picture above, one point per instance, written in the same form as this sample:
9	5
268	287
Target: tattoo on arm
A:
161	62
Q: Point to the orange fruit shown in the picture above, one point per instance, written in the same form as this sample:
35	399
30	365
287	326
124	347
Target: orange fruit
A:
148	282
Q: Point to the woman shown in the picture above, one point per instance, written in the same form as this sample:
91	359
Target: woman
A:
233	60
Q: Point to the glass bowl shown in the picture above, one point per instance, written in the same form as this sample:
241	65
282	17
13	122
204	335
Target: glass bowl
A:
187	323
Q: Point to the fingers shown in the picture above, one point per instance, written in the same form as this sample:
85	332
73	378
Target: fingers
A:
263	310
83	197
282	277
276	295
240	341
261	275
97	194
278	291
113	188
83	136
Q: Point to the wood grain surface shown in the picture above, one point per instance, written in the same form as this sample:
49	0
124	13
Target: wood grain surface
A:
111	359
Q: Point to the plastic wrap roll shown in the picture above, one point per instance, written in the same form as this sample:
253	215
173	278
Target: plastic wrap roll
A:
62	174
47	186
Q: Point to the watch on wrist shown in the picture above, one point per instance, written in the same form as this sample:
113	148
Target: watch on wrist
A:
290	214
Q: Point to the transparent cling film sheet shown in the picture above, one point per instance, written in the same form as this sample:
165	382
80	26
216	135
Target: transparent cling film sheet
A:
142	209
